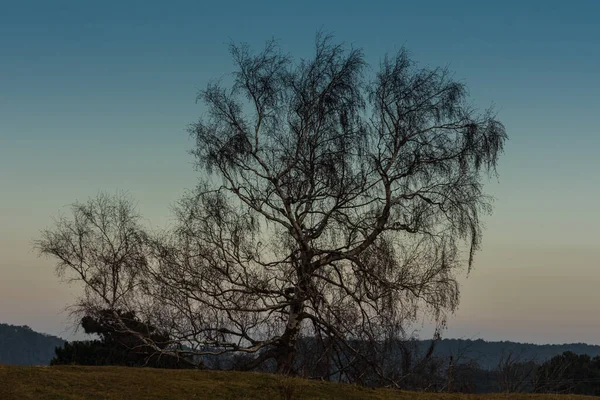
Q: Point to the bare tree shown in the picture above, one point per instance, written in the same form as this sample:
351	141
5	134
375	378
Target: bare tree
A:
332	204
329	204
515	372
102	245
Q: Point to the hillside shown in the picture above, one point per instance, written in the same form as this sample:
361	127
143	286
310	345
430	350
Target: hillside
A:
487	354
20	345
78	383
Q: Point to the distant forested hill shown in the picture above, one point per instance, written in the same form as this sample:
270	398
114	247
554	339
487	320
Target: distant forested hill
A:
487	354
20	345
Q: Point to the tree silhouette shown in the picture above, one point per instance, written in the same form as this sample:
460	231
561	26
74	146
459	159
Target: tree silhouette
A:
332	204
117	346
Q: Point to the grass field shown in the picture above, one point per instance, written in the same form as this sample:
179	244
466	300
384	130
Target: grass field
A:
83	383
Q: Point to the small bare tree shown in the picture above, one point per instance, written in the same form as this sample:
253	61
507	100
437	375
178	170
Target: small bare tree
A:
104	246
332	204
515	372
101	245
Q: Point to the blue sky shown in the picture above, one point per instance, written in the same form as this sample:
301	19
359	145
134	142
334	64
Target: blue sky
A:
97	96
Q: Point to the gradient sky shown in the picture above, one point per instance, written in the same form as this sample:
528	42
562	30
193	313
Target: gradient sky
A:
97	96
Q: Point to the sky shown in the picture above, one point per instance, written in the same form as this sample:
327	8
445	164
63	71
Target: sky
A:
98	95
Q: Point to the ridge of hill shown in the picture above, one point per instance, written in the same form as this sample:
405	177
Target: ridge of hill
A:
487	354
21	345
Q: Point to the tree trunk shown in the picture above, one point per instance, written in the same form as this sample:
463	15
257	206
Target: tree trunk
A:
287	344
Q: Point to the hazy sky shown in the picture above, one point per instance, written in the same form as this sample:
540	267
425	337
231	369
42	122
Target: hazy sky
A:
97	96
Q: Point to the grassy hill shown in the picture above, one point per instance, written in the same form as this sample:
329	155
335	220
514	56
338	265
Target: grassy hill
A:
75	382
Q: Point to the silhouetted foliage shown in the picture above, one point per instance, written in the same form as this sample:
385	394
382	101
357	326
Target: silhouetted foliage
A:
118	346
569	373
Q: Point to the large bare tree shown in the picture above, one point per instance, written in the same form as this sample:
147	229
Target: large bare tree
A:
334	203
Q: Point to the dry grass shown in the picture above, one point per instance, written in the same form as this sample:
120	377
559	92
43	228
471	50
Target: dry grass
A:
87	383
